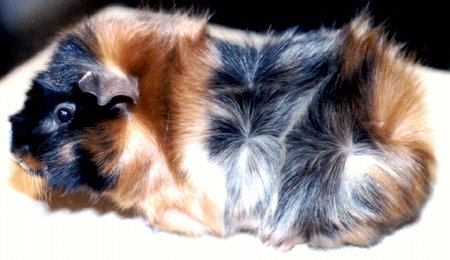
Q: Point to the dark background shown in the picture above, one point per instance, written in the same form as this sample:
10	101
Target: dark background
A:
26	26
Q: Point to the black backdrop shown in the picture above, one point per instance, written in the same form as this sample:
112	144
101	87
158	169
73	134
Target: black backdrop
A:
424	26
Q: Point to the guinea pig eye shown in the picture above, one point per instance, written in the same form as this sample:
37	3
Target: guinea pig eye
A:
64	113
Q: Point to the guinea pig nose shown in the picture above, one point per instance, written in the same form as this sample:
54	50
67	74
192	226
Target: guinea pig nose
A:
25	148
22	150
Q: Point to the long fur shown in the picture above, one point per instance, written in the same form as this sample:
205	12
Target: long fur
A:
321	136
315	137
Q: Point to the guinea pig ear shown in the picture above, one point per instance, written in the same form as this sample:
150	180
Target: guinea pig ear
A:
106	86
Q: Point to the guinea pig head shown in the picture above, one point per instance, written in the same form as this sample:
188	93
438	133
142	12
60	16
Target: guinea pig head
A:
65	130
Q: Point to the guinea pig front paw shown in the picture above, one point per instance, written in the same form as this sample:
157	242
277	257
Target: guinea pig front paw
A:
283	244
178	222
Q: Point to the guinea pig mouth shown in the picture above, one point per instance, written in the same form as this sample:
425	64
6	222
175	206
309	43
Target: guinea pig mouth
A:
27	168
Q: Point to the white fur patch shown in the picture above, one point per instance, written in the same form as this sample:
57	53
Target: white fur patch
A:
361	28
357	165
135	140
115	69
204	174
139	142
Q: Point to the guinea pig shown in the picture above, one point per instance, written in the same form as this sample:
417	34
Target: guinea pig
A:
317	137
96	117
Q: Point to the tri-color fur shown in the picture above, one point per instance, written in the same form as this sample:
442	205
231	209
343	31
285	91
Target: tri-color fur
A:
315	137
321	136
116	143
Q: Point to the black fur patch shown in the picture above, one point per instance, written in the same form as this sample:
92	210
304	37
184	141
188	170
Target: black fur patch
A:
259	89
35	132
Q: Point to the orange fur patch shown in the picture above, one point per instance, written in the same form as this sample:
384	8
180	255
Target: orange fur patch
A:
397	115
23	182
155	48
188	110
31	162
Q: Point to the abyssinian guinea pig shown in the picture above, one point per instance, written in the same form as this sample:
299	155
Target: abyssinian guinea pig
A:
316	137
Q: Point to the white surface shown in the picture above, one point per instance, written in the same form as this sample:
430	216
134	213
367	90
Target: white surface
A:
74	228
